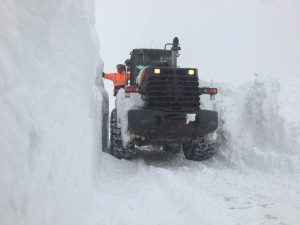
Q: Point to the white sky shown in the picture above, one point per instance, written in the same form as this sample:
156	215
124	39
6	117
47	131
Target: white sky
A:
227	40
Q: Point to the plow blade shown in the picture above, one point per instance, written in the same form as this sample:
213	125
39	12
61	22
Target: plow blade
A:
157	127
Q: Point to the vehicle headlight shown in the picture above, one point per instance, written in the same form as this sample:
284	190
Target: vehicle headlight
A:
157	71
191	72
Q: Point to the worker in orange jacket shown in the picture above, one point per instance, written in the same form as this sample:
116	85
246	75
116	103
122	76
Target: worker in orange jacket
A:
120	79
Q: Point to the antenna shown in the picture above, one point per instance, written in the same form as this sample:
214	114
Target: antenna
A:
151	43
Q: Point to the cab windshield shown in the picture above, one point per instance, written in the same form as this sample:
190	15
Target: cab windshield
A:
154	58
141	58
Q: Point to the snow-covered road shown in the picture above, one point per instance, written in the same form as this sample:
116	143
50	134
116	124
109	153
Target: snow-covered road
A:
172	190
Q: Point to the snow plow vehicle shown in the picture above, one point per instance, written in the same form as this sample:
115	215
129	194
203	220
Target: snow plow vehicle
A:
171	117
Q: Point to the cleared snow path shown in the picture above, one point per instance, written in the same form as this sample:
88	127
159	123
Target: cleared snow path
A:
173	190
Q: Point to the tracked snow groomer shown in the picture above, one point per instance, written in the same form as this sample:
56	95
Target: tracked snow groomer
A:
171	117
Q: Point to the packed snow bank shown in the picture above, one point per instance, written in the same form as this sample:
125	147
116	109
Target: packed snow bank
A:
49	112
259	123
124	104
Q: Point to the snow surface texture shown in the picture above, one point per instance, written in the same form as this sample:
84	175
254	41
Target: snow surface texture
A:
50	112
124	104
50	116
260	124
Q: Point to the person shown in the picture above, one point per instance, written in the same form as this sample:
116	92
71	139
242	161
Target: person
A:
119	79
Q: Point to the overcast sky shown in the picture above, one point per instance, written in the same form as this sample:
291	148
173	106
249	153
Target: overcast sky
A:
227	40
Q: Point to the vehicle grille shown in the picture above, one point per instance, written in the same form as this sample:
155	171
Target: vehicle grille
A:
172	90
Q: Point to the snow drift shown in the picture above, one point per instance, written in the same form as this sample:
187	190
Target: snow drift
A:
49	112
259	123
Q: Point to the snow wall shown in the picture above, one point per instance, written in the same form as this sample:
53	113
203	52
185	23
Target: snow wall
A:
49	112
259	124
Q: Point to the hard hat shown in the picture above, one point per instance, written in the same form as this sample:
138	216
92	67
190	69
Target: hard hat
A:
120	67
